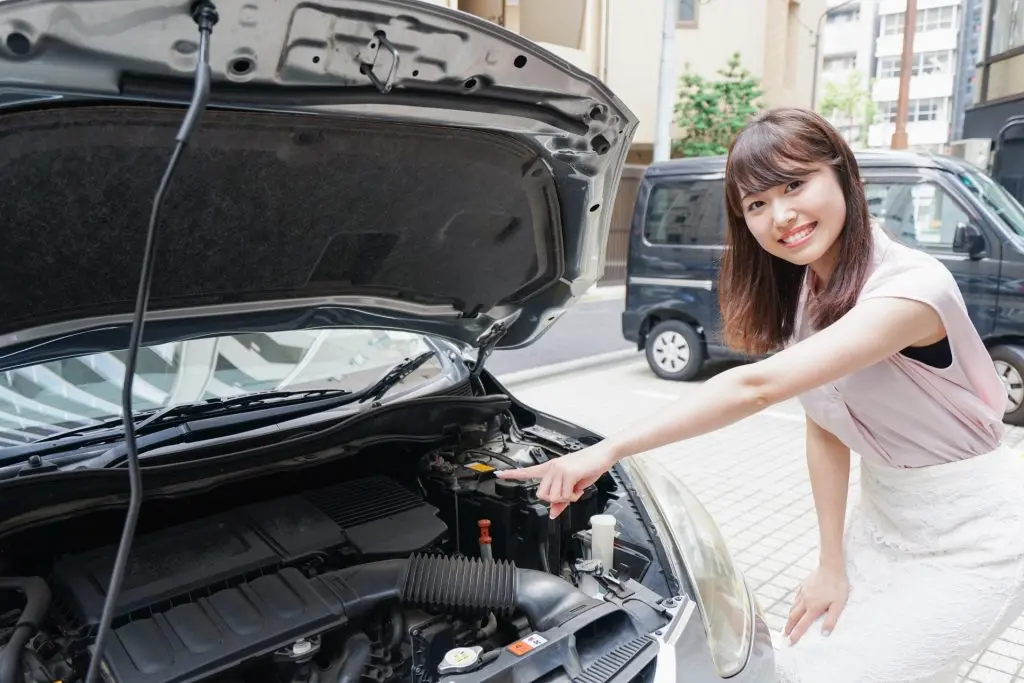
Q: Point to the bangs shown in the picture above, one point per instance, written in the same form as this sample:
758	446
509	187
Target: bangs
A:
765	157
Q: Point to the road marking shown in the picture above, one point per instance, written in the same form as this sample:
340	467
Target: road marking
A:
656	394
665	396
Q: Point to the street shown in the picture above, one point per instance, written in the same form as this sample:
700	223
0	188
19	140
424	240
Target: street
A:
589	328
751	476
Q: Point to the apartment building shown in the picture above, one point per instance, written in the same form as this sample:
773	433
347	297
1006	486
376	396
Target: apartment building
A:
619	41
933	72
866	37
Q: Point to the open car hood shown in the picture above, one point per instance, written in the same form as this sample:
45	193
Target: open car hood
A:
364	163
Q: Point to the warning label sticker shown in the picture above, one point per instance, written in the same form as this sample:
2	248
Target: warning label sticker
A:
530	642
479	467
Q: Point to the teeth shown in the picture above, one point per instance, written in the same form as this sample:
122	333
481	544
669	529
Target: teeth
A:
797	236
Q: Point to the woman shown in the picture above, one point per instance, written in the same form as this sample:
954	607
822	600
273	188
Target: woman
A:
874	339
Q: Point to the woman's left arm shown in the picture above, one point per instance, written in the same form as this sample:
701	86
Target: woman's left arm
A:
870	332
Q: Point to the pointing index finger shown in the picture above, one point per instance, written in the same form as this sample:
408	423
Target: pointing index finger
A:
534	472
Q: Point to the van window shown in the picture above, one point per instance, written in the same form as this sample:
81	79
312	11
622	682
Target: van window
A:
686	213
922	215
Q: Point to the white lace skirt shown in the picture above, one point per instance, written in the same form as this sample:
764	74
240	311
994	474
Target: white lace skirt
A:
935	559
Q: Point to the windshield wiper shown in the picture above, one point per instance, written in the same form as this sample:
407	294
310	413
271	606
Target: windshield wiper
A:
188	422
182	410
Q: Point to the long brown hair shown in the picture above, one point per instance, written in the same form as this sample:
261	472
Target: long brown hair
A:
759	292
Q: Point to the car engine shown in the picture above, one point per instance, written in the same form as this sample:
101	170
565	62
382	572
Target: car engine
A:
438	573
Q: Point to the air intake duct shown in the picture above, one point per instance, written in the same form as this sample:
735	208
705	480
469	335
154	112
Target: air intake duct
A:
462	586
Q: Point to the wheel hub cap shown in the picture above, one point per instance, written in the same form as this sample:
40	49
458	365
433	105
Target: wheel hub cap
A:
1013	383
671	352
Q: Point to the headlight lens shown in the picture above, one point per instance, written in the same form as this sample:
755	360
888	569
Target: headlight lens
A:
721	593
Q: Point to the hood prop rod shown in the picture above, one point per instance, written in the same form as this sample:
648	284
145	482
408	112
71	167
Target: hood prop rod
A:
205	16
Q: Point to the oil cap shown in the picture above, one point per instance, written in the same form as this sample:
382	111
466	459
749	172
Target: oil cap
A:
459	660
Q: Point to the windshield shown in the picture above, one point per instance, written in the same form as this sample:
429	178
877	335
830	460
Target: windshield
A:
41	400
1004	204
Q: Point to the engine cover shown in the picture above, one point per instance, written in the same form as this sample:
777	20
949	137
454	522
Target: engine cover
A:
361	520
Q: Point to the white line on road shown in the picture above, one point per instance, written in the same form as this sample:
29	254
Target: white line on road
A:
779	414
655	394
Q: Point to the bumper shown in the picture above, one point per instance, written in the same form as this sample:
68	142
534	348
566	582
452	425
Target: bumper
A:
631	321
683	651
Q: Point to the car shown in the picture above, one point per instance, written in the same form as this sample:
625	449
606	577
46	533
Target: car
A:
347	213
939	204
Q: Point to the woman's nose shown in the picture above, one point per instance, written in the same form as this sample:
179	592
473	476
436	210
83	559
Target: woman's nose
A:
783	215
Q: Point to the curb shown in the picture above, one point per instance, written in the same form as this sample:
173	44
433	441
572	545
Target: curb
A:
546	371
605	293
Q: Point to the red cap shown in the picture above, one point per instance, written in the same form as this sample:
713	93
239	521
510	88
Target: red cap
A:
485	531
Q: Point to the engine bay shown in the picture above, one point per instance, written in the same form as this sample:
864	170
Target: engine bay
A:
403	562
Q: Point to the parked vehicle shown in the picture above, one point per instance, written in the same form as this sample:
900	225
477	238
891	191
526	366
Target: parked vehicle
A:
377	196
942	205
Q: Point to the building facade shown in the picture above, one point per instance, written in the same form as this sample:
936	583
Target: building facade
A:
619	41
999	92
862	46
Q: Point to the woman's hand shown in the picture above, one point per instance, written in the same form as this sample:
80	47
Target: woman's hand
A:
563	479
823	592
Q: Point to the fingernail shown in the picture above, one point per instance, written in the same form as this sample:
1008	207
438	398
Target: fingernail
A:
826	633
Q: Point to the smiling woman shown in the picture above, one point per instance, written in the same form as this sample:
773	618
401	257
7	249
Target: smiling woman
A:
875	339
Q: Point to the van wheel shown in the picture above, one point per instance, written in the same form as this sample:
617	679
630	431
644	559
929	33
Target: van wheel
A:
1009	363
675	350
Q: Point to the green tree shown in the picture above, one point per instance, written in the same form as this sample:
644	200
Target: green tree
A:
709	113
848	105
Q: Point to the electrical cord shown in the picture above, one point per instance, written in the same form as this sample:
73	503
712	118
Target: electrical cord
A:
205	16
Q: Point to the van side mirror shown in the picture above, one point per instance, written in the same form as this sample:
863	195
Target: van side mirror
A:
968	240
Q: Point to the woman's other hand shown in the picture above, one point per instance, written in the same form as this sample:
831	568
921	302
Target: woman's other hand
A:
824	592
563	480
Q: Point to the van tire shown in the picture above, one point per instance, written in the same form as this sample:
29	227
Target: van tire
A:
1009	362
677	339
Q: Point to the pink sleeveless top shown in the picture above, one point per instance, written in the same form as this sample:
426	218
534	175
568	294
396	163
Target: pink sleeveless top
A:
901	412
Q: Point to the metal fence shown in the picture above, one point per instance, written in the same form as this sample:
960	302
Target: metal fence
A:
618	232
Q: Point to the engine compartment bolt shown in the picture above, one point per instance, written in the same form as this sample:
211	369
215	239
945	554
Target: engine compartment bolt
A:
301	647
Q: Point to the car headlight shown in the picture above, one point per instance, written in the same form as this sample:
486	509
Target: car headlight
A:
722	596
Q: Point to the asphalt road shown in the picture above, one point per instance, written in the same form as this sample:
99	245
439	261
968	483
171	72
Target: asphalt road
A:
588	329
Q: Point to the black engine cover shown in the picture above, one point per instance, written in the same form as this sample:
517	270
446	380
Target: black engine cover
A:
363	519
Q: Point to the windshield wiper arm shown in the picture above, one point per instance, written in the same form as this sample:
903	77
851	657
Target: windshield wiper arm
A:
179	411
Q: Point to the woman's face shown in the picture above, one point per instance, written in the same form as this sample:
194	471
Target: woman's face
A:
799	221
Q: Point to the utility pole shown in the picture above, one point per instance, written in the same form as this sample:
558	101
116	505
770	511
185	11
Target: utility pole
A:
666	83
899	136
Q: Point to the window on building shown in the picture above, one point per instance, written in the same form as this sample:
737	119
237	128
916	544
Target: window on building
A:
929	19
687	11
923	64
888	67
839	63
1007	25
686	214
844	16
922	215
920	110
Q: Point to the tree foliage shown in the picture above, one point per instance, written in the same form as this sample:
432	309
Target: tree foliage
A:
847	104
710	112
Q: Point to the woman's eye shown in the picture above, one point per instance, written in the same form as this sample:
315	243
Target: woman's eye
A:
793	185
754	205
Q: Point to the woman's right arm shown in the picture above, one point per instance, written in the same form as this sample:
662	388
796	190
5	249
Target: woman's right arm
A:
825	591
828	461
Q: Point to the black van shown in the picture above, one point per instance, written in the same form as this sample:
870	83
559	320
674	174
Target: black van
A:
943	205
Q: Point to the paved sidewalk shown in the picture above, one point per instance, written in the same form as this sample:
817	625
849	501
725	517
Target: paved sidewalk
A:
752	477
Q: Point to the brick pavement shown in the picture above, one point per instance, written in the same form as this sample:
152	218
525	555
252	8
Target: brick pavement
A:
752	477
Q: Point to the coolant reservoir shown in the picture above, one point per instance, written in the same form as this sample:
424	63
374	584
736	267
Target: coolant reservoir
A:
602	540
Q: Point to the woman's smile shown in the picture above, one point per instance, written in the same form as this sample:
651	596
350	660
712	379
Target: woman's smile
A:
798	236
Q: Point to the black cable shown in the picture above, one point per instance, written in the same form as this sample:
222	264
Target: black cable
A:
205	15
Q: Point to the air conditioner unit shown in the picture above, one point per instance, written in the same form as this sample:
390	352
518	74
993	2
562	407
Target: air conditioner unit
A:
977	151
